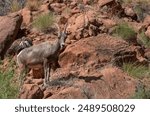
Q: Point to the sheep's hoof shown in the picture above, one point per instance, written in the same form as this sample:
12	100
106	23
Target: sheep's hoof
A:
46	83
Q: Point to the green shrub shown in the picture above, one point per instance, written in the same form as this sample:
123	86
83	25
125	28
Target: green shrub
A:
124	31
141	93
8	88
139	11
15	6
33	5
143	39
137	71
43	22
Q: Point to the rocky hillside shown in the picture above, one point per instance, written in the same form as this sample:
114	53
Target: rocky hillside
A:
106	54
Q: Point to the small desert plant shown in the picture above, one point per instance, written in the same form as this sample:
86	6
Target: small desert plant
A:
135	70
143	39
43	22
139	12
141	93
124	31
33	5
8	88
15	6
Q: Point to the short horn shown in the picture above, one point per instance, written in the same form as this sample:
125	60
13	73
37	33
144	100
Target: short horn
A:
57	26
65	28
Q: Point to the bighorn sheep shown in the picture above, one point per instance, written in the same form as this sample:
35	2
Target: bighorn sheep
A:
43	54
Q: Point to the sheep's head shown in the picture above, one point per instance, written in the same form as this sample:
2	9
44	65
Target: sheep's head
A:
62	35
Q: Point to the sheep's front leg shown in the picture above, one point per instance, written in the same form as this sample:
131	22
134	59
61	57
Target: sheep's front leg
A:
21	76
46	72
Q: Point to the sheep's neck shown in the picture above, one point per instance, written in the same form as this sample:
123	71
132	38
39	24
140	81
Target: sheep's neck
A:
56	47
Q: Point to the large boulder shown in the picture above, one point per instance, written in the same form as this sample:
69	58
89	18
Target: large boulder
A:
99	51
113	83
9	27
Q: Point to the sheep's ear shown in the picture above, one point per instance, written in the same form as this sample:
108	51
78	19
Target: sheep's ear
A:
59	32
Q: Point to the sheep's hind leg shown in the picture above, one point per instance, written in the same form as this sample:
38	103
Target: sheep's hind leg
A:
22	75
45	73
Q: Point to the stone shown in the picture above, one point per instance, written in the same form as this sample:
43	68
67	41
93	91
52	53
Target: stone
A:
9	28
31	91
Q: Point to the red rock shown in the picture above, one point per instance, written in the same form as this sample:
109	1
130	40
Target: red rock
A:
86	1
108	23
129	11
102	3
82	26
27	17
69	93
147	33
91	16
9	26
38	73
47	94
114	83
31	91
147	53
117	84
77	23
37	81
136	26
95	50
45	8
146	21
58	7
